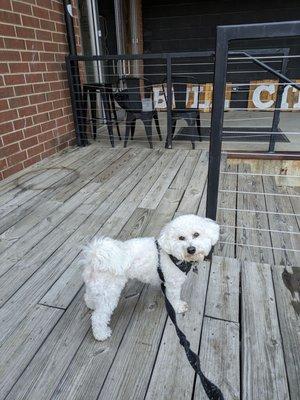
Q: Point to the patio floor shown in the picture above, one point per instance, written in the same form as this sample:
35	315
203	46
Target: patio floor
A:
244	304
239	120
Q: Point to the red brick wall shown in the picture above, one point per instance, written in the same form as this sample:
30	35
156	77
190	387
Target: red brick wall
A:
35	109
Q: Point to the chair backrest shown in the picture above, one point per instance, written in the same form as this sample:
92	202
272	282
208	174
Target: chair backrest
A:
133	87
180	86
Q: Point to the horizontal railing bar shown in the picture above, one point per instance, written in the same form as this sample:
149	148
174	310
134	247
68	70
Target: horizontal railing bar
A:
266	57
260	229
260	193
266	154
259	211
256	174
260	247
143	56
273	71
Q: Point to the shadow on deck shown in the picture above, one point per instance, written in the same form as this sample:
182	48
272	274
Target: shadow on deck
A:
244	305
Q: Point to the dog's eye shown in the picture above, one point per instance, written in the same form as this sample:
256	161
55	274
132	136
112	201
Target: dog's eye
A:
196	234
181	238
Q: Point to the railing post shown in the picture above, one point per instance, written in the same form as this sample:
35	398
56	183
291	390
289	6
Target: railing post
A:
276	114
217	116
169	102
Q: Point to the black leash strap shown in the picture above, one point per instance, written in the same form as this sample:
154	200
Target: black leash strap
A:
212	391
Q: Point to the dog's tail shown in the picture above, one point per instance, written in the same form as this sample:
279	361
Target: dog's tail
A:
103	254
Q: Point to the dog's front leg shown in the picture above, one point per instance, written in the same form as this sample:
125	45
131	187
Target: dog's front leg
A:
173	294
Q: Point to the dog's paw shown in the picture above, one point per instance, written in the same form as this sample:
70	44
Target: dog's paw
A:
182	307
103	334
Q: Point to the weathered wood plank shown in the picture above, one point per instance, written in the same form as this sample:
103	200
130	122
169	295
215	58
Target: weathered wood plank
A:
22	344
31	230
86	373
23	269
287	290
130	372
185	172
134	199
264	375
55	160
219	355
101	164
29	198
155	194
48	365
136	224
281	205
295	202
161	162
21	227
202	205
194	191
36	185
225	218
47	273
253	244
173	377
29	207
164	212
223	289
28	264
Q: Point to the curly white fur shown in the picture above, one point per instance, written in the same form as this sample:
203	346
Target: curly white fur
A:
108	264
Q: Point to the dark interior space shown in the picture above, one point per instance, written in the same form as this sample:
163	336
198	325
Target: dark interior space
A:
179	26
191	25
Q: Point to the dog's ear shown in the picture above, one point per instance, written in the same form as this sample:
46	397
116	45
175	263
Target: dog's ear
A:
163	239
212	230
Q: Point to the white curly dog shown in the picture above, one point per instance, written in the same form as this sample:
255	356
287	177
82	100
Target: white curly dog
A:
109	264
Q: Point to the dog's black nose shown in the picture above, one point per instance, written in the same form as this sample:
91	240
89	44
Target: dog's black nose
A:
191	250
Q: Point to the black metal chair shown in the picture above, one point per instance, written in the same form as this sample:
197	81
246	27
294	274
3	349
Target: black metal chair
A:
130	100
181	111
110	115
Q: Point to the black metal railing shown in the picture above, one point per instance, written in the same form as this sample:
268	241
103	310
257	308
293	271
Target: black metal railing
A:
105	73
225	36
158	69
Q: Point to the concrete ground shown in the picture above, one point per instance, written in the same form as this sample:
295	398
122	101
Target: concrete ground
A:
289	124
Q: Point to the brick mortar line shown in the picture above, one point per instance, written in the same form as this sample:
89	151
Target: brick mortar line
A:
38	125
56	148
35	39
34	94
37	144
36	104
31	115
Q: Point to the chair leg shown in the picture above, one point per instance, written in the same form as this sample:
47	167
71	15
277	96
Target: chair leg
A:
148	128
192	125
156	120
199	126
128	128
174	121
107	112
132	128
113	107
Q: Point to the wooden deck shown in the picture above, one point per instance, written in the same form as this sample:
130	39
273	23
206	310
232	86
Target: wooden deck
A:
244	304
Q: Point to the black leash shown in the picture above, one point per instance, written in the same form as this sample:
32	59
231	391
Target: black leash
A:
212	391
